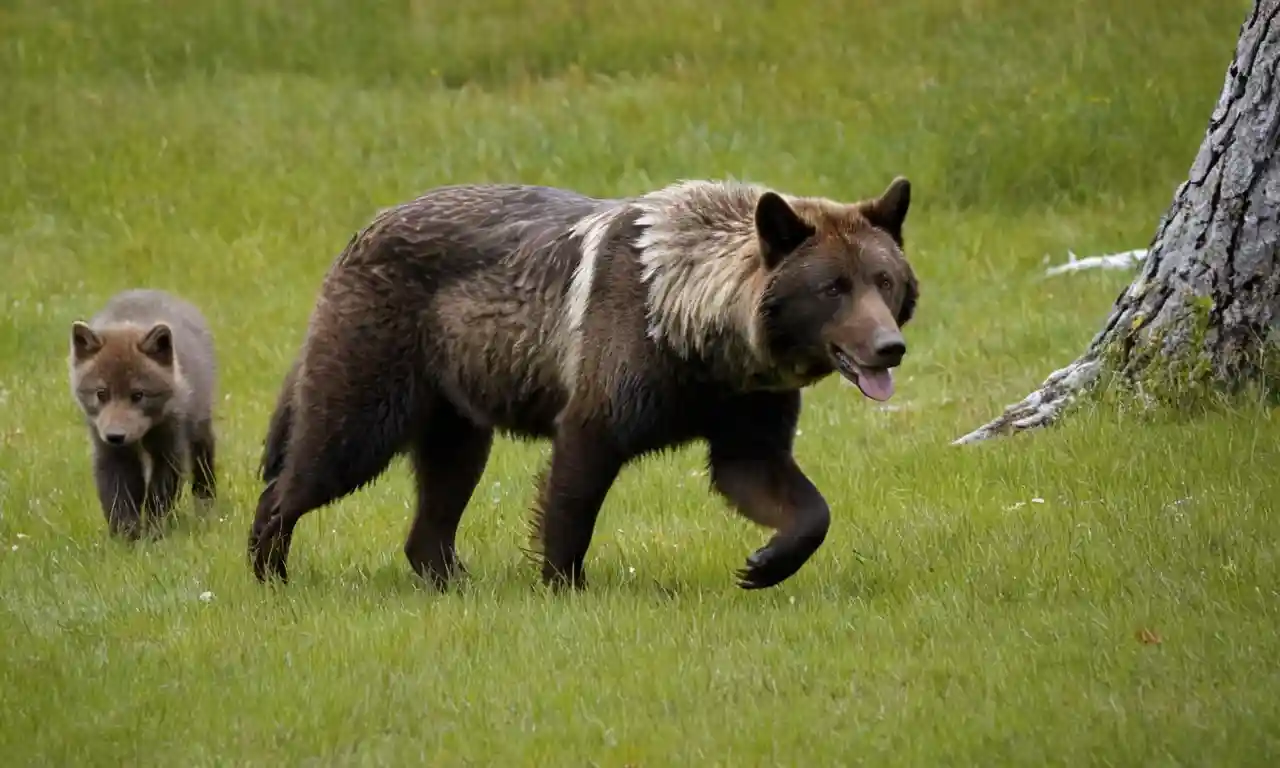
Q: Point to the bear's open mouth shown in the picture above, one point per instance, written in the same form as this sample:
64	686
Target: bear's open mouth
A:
875	383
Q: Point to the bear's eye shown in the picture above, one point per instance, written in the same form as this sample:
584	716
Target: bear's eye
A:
102	394
837	287
136	396
884	282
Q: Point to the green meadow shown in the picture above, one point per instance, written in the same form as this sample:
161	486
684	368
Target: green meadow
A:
1104	592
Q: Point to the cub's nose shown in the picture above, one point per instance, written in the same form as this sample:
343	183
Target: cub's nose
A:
115	438
889	348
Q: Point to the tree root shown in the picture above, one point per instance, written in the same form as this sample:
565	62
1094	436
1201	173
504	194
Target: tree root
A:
1043	406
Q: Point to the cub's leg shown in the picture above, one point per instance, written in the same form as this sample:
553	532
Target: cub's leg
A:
162	450
118	475
584	463
449	455
752	468
203	474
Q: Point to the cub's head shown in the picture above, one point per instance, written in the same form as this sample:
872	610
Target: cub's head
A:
124	378
840	288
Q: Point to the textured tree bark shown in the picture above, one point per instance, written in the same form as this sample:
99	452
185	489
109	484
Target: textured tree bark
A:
1205	304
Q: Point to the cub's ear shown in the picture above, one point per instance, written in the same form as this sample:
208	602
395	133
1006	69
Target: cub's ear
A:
84	342
158	345
889	210
779	227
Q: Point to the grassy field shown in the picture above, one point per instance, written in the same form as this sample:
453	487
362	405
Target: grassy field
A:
985	605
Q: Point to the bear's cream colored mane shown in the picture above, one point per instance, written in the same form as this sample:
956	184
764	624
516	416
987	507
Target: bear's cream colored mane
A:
701	267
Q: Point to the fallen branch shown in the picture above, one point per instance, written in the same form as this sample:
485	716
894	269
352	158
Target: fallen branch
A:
1124	260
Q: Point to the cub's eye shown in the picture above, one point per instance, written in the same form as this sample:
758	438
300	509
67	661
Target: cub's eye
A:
836	288
136	396
102	394
884	283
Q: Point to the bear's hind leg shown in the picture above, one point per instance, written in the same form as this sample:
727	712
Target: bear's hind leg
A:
350	416
449	456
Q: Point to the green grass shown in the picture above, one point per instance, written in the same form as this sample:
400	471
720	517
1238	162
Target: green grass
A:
228	150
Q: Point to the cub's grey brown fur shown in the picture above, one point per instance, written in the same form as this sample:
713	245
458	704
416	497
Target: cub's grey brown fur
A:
613	328
143	372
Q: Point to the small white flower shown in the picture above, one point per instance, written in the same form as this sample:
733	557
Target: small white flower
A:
1037	500
206	596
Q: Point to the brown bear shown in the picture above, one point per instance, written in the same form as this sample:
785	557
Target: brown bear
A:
611	327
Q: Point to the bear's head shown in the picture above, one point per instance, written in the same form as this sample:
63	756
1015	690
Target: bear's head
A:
839	287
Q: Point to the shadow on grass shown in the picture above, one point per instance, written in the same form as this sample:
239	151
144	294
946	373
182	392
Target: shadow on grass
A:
520	582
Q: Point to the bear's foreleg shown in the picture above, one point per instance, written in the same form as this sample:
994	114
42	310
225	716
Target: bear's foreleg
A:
753	469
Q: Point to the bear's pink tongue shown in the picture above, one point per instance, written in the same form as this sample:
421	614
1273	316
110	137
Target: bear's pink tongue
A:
876	384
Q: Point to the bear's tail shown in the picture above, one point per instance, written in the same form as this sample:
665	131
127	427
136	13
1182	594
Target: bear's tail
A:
279	428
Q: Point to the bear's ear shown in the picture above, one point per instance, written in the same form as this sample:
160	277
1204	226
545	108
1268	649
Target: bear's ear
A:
158	345
889	210
84	342
780	228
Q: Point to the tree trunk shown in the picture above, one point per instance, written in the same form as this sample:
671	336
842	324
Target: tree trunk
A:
1205	304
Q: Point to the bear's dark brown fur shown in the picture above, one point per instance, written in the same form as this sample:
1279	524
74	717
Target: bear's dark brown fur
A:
613	328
